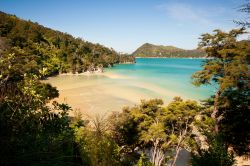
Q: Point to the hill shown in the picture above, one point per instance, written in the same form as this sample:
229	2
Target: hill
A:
150	50
50	50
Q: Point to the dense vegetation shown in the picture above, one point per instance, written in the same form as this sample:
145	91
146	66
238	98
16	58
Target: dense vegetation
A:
31	132
52	51
229	69
150	50
36	131
157	132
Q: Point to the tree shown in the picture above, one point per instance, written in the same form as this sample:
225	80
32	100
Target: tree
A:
31	131
54	50
179	118
161	132
143	161
245	9
216	155
228	71
95	145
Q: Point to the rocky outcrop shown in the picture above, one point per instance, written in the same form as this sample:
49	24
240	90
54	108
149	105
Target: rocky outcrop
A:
200	138
92	68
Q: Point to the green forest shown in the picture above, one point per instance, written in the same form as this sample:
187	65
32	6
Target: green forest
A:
35	130
51	51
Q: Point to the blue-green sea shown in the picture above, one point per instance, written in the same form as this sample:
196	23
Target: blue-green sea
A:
173	74
127	84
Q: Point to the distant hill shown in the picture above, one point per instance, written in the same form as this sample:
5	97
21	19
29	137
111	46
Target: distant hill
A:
150	50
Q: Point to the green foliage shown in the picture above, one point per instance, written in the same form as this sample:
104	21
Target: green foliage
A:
96	146
143	161
157	130
124	129
125	58
32	132
52	50
233	127
150	50
216	155
229	70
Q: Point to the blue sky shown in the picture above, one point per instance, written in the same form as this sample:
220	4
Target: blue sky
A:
126	24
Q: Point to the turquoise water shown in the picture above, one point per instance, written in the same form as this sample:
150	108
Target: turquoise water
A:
173	74
126	84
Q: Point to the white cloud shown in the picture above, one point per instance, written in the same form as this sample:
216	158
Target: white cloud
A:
184	12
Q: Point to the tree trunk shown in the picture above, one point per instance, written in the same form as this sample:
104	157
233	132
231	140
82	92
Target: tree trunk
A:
176	156
215	111
181	138
154	151
157	155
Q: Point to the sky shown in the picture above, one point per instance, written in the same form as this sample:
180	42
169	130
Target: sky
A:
124	25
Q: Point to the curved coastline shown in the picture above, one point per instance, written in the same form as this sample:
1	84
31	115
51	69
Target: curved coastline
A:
125	85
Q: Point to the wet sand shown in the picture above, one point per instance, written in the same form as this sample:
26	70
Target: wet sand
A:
102	93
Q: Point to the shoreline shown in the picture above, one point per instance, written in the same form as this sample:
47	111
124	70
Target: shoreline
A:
174	57
83	73
96	73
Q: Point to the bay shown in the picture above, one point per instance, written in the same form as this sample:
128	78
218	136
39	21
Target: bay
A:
126	84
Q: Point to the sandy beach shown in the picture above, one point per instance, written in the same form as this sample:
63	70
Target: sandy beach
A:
102	93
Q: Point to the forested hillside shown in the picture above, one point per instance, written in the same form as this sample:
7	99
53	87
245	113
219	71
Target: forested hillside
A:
150	50
52	51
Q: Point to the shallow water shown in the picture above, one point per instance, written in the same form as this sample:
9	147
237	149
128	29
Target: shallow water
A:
127	84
